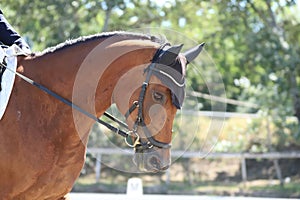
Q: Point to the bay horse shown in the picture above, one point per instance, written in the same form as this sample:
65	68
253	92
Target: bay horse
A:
43	141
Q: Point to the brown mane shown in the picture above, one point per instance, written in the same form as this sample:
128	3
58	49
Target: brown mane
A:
125	35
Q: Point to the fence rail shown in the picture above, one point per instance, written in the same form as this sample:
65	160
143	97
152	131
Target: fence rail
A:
196	154
275	156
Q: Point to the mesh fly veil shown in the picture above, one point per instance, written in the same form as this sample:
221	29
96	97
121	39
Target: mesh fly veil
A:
170	70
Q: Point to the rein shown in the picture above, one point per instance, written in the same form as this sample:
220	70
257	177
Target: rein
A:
137	144
71	104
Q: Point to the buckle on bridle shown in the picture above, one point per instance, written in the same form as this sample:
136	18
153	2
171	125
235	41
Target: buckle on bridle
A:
135	142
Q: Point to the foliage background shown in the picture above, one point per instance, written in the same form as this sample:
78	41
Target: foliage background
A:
254	44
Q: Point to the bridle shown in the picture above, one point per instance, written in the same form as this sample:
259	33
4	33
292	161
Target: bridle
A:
137	143
151	142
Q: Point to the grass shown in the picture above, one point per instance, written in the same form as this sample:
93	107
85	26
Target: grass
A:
291	189
263	189
236	136
258	188
209	187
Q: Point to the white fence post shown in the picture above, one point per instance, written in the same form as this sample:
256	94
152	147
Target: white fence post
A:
98	167
244	170
195	154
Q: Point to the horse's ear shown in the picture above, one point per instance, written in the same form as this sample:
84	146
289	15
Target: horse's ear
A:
175	49
171	54
192	53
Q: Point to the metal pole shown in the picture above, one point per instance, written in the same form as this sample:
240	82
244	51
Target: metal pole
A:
98	167
244	170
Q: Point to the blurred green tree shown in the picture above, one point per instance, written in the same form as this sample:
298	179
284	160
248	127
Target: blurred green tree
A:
253	43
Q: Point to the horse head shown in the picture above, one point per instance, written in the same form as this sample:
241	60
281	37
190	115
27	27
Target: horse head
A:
46	130
149	96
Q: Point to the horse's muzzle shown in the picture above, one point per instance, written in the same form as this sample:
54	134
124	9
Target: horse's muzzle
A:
152	160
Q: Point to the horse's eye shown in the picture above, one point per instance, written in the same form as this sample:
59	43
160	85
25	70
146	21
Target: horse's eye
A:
158	97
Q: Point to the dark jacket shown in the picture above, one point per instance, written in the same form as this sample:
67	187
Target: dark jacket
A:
8	36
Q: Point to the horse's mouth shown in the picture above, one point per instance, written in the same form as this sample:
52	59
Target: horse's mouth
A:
150	162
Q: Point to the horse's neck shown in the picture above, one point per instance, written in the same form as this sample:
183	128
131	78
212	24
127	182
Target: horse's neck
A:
56	70
86	74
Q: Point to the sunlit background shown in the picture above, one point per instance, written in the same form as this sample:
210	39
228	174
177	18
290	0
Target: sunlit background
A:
243	97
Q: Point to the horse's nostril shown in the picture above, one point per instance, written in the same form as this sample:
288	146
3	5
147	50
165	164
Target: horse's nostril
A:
165	167
154	162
